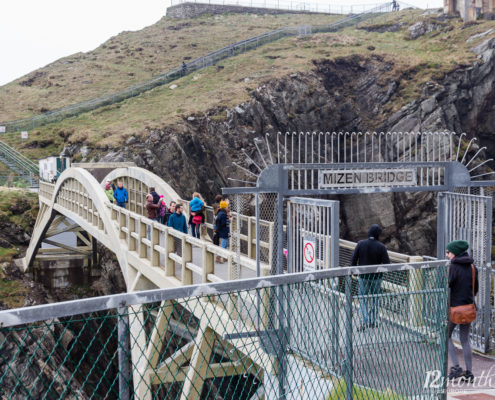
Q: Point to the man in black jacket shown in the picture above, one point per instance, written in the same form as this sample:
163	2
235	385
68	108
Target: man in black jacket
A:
370	252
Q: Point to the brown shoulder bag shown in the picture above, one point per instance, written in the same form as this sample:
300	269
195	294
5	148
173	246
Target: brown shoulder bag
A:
464	314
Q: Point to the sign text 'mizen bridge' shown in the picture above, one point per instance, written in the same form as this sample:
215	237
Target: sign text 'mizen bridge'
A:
366	178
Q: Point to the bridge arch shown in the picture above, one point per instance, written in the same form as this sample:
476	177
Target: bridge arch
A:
78	196
137	181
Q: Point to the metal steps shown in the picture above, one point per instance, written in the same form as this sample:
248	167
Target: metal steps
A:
20	164
193	65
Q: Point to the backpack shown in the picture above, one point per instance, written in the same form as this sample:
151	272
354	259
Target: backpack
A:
197	220
163	209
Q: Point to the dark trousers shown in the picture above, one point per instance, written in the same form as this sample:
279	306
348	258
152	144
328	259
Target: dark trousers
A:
369	289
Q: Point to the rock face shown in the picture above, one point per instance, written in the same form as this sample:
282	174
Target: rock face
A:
347	94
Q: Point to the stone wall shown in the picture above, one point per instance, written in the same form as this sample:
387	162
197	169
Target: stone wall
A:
191	10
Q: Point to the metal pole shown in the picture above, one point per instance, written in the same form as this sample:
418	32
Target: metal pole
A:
335	232
441	212
488	271
348	337
124	354
282	328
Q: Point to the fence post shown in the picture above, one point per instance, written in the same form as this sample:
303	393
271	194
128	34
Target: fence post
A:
155	240
414	285
348	337
123	353
187	275
169	248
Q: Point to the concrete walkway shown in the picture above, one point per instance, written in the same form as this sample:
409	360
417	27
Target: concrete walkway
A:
483	387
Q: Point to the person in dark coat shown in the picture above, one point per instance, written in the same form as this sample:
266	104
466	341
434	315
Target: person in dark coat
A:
152	208
370	252
156	196
222	228
461	293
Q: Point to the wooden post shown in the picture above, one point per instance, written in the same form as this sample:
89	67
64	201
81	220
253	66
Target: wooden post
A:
251	238
132	229
155	240
187	275
208	264
122	223
169	248
143	253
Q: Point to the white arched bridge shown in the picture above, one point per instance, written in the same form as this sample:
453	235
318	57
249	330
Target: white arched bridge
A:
150	255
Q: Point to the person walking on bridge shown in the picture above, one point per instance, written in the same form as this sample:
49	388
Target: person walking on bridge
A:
109	191
196	217
463	284
370	252
222	228
177	220
120	195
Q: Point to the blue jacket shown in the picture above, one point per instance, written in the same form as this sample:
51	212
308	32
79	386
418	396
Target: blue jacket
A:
196	204
178	222
222	224
120	195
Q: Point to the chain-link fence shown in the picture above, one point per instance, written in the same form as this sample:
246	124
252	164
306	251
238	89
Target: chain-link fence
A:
194	65
300	336
288	5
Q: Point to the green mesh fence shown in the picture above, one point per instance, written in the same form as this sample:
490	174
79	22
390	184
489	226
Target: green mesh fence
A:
298	336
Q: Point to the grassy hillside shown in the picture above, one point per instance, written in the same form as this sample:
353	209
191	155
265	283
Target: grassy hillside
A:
133	57
416	61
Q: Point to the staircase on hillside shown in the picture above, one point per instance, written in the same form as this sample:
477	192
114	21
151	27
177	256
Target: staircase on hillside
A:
19	163
197	64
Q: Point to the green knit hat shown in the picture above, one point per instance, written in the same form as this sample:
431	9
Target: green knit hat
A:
458	247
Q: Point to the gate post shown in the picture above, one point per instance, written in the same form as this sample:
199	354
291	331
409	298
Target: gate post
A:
348	372
487	269
441	226
123	353
282	328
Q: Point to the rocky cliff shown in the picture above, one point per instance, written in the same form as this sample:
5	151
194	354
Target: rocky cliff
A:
355	93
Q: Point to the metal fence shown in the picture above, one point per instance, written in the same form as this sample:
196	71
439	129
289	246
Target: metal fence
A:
293	336
288	5
194	65
18	163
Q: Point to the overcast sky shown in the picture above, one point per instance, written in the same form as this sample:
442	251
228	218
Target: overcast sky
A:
34	33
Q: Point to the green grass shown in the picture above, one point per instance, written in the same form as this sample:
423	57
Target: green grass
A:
414	62
12	292
133	57
6	254
18	206
339	392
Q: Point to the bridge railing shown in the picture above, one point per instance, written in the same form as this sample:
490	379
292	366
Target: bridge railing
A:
179	254
46	190
247	233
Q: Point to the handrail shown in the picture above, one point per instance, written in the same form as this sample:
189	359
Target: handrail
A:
46	191
19	159
199	63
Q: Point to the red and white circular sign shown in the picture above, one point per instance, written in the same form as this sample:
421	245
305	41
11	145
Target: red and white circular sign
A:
309	252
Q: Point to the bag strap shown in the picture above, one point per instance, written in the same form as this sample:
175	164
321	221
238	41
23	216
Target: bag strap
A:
472	267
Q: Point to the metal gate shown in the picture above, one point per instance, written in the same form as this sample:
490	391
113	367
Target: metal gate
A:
468	217
313	234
